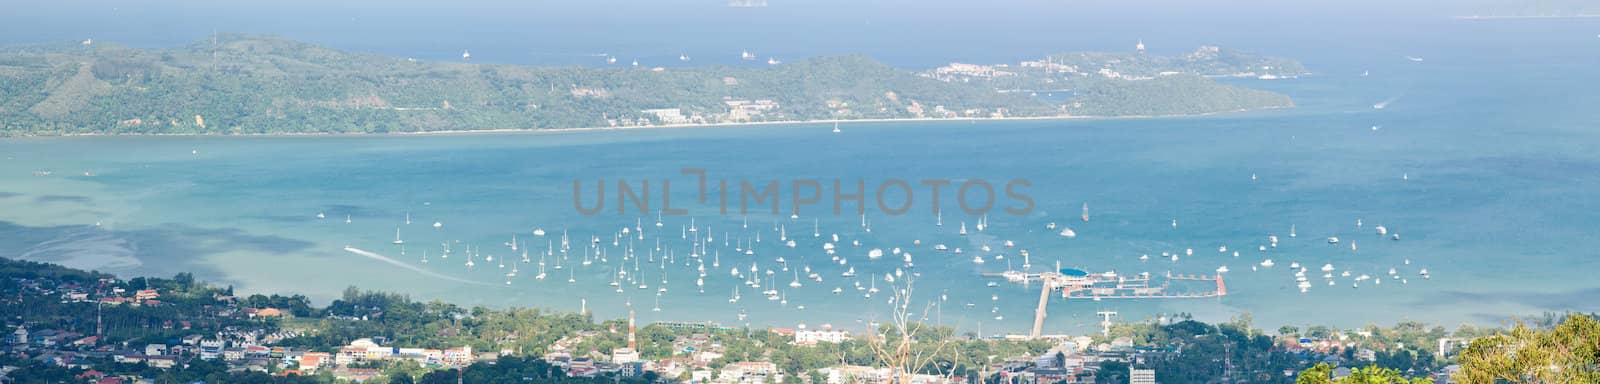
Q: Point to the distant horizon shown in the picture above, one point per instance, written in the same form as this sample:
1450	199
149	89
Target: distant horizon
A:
561	33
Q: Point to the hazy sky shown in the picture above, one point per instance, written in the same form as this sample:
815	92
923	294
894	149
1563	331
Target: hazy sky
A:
911	32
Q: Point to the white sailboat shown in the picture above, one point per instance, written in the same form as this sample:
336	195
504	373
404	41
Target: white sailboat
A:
397	240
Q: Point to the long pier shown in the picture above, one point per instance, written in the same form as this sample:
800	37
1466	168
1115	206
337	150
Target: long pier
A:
1081	285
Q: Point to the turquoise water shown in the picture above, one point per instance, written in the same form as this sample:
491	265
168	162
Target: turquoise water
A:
1497	202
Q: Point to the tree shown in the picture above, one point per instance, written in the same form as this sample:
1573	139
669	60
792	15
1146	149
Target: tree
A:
1567	353
1288	331
901	344
1323	374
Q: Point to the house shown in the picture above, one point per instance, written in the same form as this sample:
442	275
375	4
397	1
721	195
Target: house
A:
18	337
349	355
155	349
459	356
162	362
211	349
89	341
310	362
145	294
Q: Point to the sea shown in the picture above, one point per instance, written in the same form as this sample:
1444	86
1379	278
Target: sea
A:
1482	159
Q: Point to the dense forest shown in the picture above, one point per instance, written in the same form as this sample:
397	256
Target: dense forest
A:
239	84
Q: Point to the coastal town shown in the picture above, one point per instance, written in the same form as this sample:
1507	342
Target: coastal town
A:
130	327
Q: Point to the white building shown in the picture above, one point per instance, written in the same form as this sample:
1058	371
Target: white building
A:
668	115
624	355
810	337
1141	376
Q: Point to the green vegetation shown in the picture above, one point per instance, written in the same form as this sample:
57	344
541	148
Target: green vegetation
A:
1569	352
1168	95
255	85
1323	374
1137	84
1207	61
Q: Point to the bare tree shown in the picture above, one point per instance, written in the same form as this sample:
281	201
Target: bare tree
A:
895	343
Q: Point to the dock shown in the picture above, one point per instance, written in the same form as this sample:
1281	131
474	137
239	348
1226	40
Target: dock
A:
1078	284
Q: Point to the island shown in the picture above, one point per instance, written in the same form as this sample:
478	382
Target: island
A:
238	84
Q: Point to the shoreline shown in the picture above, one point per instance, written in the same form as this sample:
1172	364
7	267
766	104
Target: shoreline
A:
542	131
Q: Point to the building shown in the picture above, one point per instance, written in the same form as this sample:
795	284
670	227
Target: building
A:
211	348
310	362
812	337
1141	376
668	115
624	355
18	337
1447	345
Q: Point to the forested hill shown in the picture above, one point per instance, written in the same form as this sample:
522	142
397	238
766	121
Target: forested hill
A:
256	85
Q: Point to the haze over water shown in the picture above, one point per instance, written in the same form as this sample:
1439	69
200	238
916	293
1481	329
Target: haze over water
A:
1494	132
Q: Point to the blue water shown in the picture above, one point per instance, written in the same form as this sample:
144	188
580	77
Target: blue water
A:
1494	133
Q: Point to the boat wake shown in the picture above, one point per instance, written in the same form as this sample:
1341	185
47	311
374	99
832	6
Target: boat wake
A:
1385	103
85	248
409	267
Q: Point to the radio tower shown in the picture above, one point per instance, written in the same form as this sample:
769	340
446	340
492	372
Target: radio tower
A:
630	330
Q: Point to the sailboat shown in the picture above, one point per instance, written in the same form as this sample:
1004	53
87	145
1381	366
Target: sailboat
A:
408	218
397	240
1085	212
835	127
541	274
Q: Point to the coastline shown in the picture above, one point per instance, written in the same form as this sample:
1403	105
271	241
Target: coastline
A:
542	131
